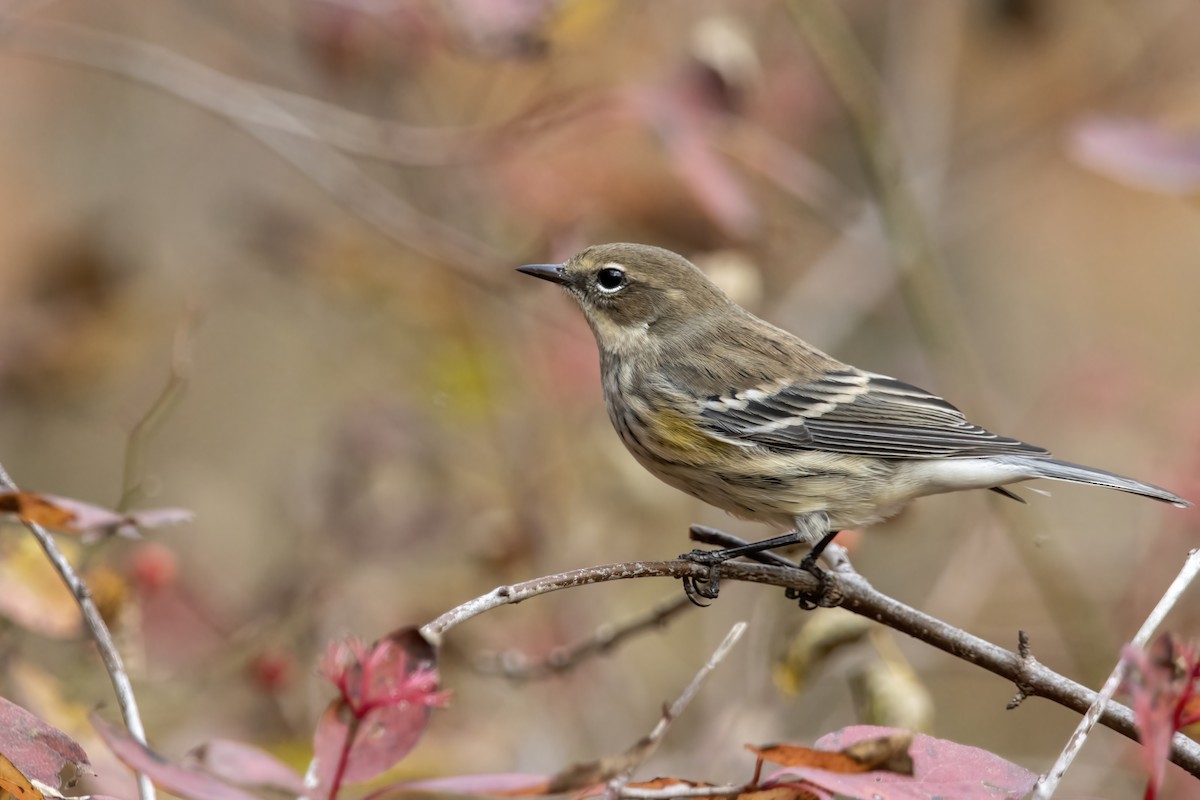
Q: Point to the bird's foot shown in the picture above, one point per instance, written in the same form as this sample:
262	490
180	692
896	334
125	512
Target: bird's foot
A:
697	589
826	595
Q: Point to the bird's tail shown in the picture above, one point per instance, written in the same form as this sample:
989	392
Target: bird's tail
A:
1077	473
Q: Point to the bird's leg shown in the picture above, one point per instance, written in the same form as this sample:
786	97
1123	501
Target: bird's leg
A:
808	527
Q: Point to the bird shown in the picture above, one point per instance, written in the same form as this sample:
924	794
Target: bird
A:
753	420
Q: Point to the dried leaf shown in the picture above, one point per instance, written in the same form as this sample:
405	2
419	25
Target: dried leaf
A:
15	783
939	768
790	792
34	595
891	694
75	516
787	755
824	633
888	753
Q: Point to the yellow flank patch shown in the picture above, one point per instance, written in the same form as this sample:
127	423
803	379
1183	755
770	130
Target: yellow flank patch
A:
680	433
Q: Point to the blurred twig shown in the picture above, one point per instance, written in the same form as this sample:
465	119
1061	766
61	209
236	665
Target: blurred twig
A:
166	402
258	114
923	279
516	666
855	594
792	172
928	292
646	746
1048	783
99	633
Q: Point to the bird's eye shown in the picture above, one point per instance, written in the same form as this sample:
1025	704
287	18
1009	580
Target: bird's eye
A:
610	279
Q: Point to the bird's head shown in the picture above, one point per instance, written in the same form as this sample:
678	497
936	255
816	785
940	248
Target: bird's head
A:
633	292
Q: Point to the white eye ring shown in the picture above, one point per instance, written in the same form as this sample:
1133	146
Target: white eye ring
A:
610	279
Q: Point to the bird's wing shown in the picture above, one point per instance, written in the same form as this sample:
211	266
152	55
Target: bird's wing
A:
854	412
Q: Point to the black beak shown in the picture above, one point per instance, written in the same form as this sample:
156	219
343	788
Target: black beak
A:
555	273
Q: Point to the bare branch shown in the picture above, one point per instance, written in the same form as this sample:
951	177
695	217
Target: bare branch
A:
1032	678
1048	783
99	633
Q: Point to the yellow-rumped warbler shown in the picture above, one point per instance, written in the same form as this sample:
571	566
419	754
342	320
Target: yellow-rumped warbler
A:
747	417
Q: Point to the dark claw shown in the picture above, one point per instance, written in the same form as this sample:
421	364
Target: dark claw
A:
700	589
694	592
810	601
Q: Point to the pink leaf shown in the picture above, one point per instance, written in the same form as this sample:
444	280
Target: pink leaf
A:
940	769
500	784
386	692
39	750
178	780
246	765
1139	154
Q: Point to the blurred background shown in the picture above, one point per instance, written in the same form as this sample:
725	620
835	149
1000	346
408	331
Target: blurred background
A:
256	260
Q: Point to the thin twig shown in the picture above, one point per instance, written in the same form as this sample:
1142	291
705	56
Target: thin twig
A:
1047	784
928	292
100	635
158	412
857	595
646	747
516	666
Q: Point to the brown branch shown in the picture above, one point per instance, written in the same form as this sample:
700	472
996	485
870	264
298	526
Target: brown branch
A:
1031	677
99	633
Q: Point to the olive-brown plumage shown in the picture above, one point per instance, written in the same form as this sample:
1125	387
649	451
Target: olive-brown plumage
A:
752	419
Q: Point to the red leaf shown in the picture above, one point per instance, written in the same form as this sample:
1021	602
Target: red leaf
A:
178	780
39	750
1162	684
246	765
386	692
940	769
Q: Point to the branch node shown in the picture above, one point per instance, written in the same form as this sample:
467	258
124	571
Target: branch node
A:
1027	668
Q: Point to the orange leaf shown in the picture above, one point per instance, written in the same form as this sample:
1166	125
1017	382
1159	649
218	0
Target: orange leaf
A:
13	781
780	793
36	508
787	755
75	516
889	753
